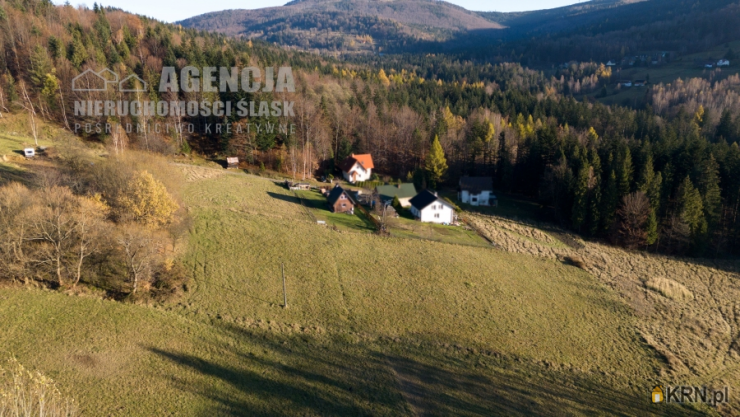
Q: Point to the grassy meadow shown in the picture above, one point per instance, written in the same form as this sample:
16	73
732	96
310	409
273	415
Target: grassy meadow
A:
374	326
319	209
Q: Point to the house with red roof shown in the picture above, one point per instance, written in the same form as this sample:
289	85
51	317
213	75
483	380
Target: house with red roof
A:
357	167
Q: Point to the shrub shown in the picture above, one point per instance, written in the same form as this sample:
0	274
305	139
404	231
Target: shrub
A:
396	204
576	261
147	201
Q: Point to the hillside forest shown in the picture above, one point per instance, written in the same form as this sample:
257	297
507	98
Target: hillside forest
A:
662	177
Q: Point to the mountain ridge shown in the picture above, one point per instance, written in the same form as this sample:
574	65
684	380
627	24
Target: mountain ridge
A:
594	30
328	24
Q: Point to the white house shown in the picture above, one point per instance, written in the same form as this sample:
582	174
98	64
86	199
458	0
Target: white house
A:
476	191
723	63
357	167
611	63
429	208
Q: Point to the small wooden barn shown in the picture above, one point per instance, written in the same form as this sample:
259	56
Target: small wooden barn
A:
340	201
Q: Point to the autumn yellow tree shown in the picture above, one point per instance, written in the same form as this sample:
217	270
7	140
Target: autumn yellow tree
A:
383	78
436	163
147	201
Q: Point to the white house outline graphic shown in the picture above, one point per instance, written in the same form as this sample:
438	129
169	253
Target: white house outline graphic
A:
114	75
136	90
107	76
90	71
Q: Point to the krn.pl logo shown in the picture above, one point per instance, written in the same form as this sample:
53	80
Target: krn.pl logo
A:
657	396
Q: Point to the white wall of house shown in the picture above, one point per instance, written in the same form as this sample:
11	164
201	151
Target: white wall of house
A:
362	173
475	199
434	213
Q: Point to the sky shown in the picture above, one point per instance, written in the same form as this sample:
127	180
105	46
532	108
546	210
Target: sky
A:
174	10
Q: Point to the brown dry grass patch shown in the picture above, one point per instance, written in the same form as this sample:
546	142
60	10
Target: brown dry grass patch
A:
669	288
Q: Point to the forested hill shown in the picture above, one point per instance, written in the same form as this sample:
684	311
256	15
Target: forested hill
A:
601	30
597	30
561	17
347	25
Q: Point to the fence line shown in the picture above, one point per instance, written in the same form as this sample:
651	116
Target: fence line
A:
367	214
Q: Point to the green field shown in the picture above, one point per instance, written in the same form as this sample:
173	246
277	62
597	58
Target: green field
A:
374	326
413	229
319	208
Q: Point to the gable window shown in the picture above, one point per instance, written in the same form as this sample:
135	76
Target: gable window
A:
342	197
344	205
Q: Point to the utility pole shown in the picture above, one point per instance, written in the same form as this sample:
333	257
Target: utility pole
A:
285	294
382	228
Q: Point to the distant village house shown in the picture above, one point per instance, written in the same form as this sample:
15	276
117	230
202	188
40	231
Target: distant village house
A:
340	201
429	208
404	191
477	191
357	168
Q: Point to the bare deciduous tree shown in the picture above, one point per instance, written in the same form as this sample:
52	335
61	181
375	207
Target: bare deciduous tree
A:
633	215
53	227
90	233
139	247
15	201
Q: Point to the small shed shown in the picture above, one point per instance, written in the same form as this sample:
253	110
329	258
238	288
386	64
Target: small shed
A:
29	152
232	162
298	186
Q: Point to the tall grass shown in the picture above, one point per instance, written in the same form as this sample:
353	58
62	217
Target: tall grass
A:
24	394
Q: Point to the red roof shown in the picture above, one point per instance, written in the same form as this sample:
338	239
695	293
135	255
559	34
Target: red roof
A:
365	160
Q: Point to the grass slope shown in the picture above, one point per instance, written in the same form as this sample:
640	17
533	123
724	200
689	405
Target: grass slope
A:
375	326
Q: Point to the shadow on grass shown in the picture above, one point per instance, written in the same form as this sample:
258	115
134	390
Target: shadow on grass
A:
10	174
313	199
283	197
266	372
